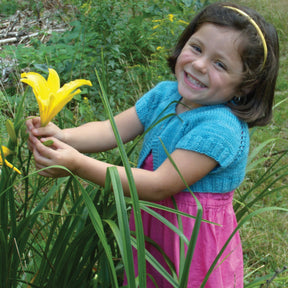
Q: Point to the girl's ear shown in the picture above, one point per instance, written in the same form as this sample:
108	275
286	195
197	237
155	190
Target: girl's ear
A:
240	98
244	91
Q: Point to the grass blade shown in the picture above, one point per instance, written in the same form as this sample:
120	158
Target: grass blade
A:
191	247
157	265
113	177
97	223
133	191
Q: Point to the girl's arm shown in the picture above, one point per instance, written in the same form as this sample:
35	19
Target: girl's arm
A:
151	185
91	137
99	136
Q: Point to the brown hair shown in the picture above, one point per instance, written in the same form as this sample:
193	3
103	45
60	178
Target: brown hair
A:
255	107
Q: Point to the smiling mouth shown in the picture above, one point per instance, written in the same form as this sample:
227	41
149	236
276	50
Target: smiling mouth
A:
194	82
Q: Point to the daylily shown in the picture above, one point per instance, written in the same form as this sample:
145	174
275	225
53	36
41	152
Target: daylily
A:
50	97
171	17
6	151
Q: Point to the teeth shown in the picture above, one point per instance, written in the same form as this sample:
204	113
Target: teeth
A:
195	82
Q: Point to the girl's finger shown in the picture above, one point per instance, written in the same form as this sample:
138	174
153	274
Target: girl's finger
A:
53	143
30	145
49	130
45	171
41	156
39	168
36	121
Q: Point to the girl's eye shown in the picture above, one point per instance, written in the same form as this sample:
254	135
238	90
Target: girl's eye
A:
220	65
196	48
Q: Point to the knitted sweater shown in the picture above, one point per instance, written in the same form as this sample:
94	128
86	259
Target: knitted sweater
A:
211	130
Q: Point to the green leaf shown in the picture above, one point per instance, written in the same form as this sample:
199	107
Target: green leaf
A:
132	187
97	223
126	248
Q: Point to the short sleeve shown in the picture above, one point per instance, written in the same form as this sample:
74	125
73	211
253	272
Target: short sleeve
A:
154	101
222	140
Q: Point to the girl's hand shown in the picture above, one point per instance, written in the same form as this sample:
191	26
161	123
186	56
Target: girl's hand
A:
58	153
35	130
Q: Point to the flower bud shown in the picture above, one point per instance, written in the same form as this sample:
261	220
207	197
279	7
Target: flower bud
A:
11	131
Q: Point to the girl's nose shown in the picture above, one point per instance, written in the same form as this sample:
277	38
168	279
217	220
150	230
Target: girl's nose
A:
200	65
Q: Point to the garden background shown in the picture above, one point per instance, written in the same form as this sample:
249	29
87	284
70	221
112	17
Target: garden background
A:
71	233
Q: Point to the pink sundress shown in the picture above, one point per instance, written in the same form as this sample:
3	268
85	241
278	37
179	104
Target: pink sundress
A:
217	208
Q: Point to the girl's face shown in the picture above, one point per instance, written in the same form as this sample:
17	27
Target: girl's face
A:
209	67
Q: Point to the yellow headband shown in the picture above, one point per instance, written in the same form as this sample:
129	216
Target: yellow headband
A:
256	27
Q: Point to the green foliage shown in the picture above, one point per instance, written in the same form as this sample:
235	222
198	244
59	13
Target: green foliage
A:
125	32
8	7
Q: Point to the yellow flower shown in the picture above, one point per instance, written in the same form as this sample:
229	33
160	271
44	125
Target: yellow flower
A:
50	97
171	17
7	152
183	22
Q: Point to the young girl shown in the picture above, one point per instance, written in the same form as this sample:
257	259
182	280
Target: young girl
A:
226	64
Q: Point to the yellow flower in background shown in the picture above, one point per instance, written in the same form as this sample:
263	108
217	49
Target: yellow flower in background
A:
50	97
183	22
171	17
6	151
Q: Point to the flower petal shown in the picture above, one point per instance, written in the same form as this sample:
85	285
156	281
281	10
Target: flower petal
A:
40	88
6	151
53	81
12	166
71	86
57	104
45	109
63	96
38	84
